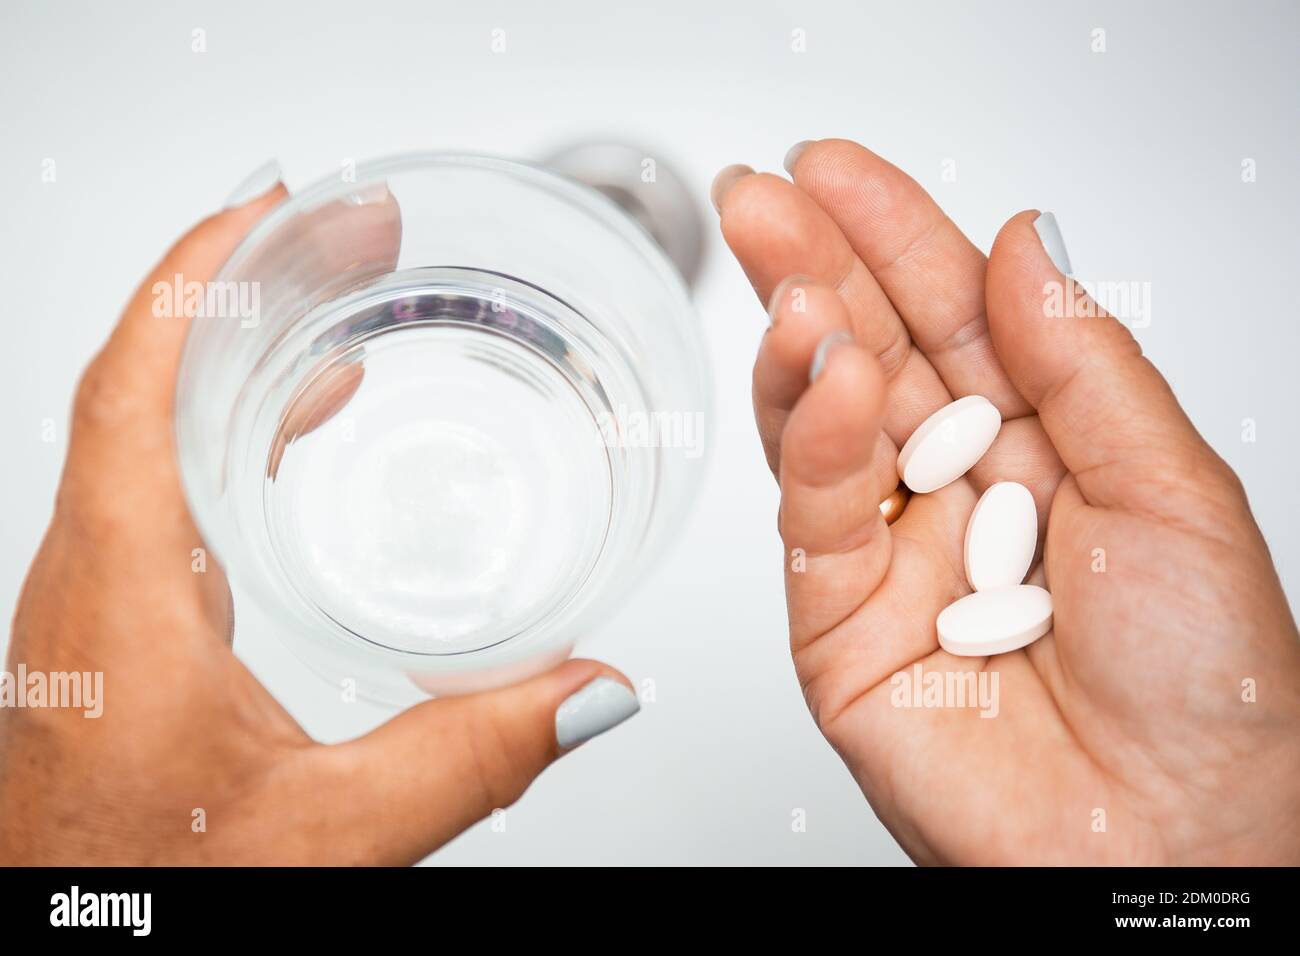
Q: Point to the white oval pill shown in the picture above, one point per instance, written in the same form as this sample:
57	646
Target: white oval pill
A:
948	443
995	621
1001	536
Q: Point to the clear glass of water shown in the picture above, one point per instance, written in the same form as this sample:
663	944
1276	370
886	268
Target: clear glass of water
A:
465	409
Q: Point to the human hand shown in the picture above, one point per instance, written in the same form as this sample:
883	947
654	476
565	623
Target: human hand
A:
185	727
1134	704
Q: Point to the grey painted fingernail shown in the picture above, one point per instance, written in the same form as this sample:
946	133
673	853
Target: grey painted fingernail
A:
793	154
1049	234
257	183
829	342
600	705
793	284
725	180
366	195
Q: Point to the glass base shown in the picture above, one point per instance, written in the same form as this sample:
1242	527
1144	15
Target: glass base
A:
439	484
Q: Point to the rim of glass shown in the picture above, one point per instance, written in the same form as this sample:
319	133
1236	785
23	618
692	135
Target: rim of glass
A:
578	193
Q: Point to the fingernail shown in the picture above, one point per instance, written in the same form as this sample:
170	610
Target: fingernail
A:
1049	234
368	194
792	155
600	705
258	183
725	180
828	344
788	284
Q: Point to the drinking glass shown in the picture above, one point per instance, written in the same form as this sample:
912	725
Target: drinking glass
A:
461	412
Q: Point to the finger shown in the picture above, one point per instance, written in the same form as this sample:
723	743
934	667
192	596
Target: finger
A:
123	414
932	273
121	453
1108	411
862	598
121	519
398	793
832	481
143	352
120	499
337	244
803	312
326	398
340	243
775	230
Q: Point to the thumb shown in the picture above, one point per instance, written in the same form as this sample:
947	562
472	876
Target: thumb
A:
434	770
1112	417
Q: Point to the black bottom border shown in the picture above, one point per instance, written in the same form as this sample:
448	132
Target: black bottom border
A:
931	904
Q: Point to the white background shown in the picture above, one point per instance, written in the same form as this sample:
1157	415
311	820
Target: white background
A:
1137	150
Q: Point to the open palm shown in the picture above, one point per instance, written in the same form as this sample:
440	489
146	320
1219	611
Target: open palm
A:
1158	722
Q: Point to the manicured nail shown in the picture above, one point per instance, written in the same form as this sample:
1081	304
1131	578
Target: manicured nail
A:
258	183
368	194
793	154
828	344
789	284
600	705
1049	234
725	180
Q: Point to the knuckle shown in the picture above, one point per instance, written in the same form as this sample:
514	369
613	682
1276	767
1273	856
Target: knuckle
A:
499	768
1114	339
91	517
102	398
896	352
205	241
1221	483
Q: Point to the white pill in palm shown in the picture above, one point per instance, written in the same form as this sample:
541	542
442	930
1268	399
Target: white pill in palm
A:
948	443
995	621
1001	536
